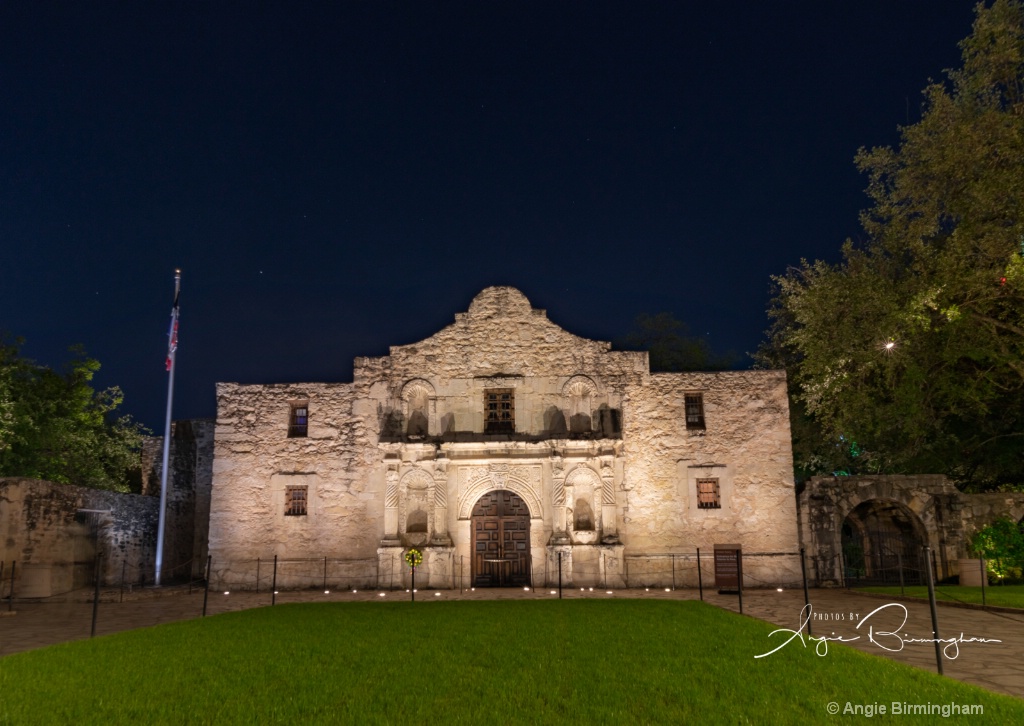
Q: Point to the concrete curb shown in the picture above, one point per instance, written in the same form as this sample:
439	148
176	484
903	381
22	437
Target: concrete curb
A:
947	603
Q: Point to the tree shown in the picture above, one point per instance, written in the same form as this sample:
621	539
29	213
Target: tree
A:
913	345
1002	545
55	426
670	348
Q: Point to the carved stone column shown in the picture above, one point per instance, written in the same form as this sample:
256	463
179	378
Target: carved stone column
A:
609	524
391	506
441	537
559	534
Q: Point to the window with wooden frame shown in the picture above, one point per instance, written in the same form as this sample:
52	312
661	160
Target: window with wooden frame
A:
694	403
295	499
298	421
499	411
708	494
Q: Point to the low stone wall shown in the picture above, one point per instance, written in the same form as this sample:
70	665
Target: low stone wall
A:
54	543
981	510
941	516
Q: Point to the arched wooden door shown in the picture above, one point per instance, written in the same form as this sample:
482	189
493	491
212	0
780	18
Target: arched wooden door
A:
501	540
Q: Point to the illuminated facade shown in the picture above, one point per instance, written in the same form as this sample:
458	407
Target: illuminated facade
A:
500	446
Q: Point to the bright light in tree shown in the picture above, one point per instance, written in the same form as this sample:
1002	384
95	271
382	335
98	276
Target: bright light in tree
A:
889	345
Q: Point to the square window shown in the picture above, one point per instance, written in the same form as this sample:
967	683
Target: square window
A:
295	501
499	411
694	403
708	496
298	421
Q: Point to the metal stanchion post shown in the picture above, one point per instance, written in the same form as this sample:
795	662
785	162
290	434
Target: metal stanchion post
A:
1	579
739	577
412	590
462	572
559	577
206	589
10	593
931	604
807	597
700	576
96	594
273	586
899	563
325	573
984	578
124	564
673	573
257	575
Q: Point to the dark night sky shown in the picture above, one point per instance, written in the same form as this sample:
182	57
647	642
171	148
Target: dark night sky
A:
337	178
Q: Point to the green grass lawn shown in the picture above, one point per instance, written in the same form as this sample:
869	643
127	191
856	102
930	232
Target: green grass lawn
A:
1007	596
571	661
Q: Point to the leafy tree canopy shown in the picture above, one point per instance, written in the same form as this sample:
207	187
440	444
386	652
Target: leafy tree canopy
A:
1002	544
55	426
913	345
670	347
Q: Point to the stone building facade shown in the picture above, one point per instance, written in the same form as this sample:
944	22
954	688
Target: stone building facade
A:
504	448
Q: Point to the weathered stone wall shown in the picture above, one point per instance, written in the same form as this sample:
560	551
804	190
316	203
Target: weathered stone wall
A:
254	462
55	545
980	510
188	493
600	454
943	518
746	446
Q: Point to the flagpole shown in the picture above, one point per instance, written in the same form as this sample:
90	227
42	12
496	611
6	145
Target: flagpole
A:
172	350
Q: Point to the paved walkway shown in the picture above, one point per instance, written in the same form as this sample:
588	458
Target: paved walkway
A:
996	666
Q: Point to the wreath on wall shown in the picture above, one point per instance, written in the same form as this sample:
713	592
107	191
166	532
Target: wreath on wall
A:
413	558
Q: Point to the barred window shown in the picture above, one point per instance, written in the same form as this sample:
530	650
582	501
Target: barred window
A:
708	495
295	501
499	411
694	410
298	422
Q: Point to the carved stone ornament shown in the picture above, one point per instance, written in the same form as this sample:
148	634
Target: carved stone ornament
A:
499	475
391	494
523	479
580	387
557	492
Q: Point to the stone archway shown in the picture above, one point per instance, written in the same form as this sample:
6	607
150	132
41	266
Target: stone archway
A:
882	543
500	540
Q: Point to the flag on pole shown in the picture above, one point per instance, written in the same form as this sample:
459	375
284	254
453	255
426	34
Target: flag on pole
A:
173	345
172	334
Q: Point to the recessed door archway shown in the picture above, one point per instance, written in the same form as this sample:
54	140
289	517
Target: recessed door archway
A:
882	543
500	528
